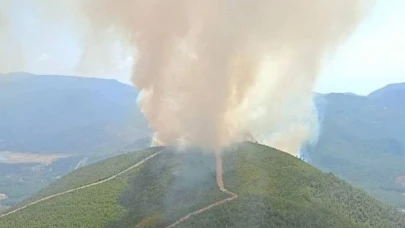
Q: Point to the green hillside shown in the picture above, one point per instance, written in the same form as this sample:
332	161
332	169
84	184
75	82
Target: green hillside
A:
274	189
84	119
362	140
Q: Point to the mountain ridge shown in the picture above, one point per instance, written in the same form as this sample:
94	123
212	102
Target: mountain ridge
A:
84	119
39	108
362	140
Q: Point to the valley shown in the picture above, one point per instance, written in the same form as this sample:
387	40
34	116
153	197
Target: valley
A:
362	141
8	157
79	188
56	124
219	181
21	179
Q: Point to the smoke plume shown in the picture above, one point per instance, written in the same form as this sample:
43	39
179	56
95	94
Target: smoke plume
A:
213	72
10	50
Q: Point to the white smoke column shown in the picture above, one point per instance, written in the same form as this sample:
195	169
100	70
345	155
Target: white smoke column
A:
210	71
213	71
10	50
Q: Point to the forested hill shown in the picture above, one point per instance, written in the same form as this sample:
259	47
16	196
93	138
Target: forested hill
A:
63	114
52	124
362	140
274	190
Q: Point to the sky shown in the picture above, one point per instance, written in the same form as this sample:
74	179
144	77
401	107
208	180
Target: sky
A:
372	57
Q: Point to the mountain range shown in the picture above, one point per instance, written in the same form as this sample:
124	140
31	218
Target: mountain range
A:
61	114
362	140
51	125
85	120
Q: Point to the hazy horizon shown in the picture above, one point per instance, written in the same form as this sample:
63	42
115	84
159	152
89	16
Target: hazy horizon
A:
130	84
370	59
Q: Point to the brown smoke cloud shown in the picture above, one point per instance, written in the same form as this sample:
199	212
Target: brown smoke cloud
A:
10	50
211	71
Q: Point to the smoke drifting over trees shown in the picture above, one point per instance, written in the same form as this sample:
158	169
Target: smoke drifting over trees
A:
211	72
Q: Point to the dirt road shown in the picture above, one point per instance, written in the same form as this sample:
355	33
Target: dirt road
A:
220	183
80	188
81	163
219	180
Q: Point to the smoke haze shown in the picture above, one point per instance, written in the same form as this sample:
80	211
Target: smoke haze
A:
8	43
212	72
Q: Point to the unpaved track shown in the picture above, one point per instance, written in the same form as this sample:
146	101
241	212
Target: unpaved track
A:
219	179
82	187
221	187
81	163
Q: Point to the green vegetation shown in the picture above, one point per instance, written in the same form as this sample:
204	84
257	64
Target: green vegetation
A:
20	181
363	141
278	191
291	184
94	173
274	188
169	187
91	207
52	114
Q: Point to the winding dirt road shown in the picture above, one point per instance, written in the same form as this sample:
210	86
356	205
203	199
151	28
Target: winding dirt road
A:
219	180
221	187
80	188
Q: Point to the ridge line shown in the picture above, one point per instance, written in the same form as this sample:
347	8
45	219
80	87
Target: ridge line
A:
82	187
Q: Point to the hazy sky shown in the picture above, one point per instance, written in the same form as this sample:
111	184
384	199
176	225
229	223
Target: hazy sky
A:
371	58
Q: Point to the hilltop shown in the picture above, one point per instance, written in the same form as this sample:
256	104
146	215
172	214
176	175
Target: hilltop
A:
362	140
273	189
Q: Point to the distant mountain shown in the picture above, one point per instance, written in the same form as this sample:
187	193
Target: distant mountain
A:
61	114
363	141
392	95
83	119
272	188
